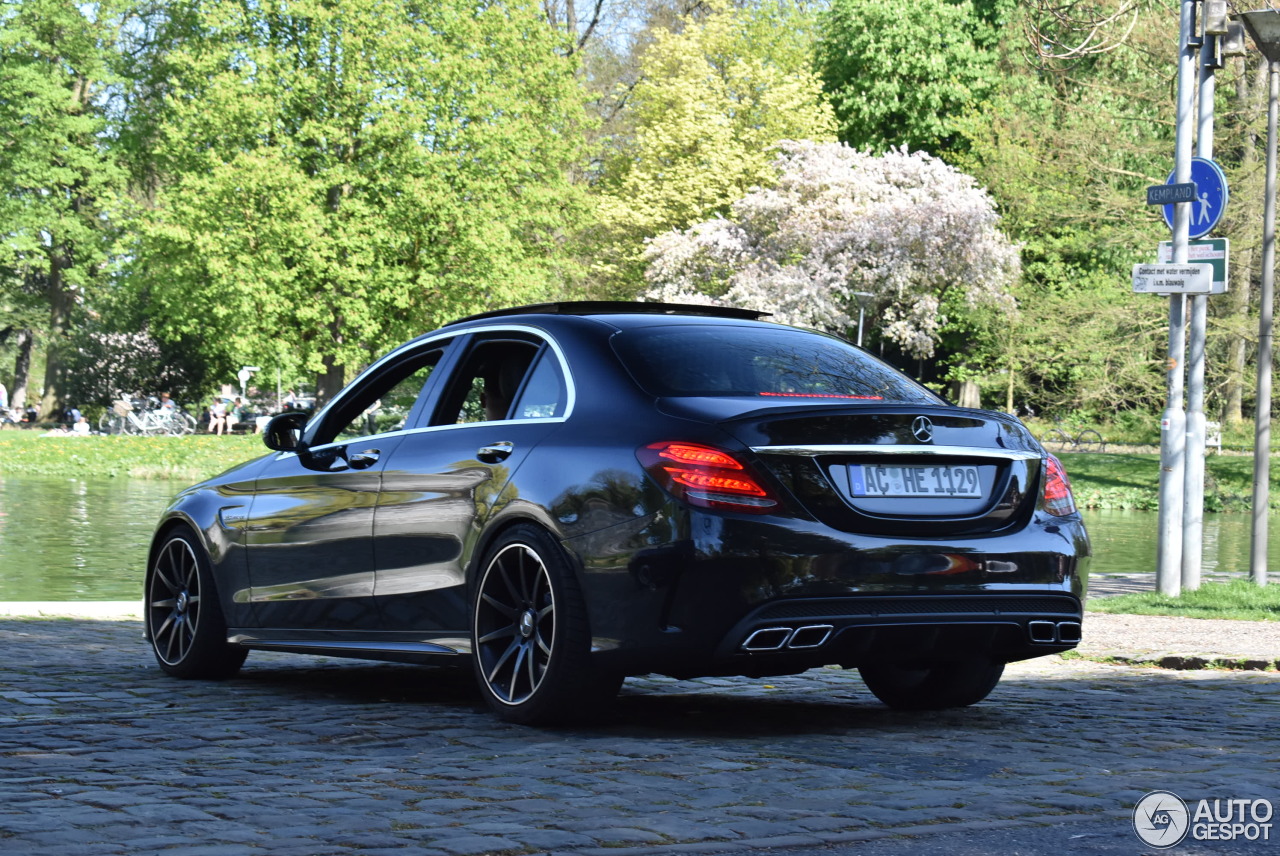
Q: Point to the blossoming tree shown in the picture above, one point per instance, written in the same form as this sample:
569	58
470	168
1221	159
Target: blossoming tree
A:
917	235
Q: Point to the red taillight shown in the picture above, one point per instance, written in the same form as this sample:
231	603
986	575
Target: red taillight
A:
821	395
1057	489
705	477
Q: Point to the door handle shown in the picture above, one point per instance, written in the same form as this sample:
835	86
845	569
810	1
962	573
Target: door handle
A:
364	460
495	452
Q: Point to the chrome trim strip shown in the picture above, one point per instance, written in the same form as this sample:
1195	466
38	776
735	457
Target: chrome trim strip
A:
334	645
571	390
883	449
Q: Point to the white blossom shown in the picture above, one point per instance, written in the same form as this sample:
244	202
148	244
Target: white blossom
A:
905	227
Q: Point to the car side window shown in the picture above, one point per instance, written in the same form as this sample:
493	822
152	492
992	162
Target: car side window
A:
382	403
544	391
485	387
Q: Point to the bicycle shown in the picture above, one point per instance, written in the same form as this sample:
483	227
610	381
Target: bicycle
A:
145	417
1060	439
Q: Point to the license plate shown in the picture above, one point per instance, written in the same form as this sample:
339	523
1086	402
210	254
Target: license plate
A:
914	481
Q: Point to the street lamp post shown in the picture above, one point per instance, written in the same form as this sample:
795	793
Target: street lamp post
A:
1264	27
862	305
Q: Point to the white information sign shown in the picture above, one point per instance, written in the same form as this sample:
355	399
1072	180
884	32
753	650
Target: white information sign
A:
1172	279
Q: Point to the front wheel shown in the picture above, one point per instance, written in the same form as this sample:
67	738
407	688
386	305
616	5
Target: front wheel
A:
531	644
933	686
1090	441
185	624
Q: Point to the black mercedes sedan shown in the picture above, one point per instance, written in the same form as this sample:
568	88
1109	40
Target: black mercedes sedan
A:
566	494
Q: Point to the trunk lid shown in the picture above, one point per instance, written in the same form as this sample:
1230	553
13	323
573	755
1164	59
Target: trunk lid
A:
902	469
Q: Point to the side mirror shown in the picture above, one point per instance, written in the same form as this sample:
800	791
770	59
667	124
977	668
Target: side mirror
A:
284	432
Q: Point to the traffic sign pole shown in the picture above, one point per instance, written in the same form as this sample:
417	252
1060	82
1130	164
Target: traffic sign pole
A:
1193	483
1173	420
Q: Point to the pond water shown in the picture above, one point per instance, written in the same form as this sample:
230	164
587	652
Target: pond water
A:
64	539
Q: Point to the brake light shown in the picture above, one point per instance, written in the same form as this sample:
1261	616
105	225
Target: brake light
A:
821	395
1057	489
706	477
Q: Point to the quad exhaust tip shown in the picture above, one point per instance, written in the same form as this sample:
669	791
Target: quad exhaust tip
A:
778	638
1047	632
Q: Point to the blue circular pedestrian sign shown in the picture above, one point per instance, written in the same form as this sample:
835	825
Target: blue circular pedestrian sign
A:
1211	197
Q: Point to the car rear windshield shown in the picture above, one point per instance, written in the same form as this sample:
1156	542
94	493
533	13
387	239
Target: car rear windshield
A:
769	363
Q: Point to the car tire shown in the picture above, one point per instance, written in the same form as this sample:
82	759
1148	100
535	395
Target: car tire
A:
530	637
953	683
184	620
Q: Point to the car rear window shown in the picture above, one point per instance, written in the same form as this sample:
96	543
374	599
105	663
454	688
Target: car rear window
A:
779	364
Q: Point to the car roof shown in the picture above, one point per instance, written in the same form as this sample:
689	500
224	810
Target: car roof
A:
618	307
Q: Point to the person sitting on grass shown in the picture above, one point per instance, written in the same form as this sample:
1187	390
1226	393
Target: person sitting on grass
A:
218	417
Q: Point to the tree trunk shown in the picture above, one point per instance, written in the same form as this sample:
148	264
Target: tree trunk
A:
968	394
61	301
22	369
329	381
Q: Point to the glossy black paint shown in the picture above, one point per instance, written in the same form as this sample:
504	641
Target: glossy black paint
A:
369	546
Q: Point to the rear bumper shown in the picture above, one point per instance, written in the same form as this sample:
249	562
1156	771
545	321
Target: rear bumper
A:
759	597
904	629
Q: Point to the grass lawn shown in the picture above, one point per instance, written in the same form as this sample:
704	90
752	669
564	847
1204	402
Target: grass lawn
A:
1238	599
188	459
1133	481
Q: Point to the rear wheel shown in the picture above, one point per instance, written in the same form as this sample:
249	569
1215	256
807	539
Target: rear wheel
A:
531	642
933	686
1056	440
185	625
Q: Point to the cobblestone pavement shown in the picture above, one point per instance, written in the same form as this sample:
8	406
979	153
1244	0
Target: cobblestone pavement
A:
102	754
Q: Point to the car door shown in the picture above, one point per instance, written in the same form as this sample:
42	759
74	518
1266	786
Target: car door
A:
509	392
309	533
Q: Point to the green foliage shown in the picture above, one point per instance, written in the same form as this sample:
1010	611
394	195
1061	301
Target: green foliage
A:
332	179
1067	148
712	103
58	180
897	77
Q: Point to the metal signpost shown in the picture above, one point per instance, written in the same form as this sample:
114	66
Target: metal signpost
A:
1194	199
1173	420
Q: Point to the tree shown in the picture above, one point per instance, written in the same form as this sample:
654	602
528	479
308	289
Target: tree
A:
106	365
915	234
59	181
343	176
1079	123
712	103
901	78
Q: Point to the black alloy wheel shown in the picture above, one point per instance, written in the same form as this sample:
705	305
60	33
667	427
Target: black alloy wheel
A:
185	625
953	683
530	640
